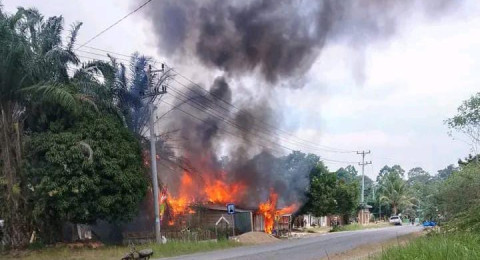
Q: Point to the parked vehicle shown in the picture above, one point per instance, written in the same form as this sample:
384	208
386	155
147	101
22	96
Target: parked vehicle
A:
395	220
429	223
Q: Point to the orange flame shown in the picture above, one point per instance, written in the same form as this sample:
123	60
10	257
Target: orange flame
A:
221	192
288	210
202	190
180	204
267	209
270	213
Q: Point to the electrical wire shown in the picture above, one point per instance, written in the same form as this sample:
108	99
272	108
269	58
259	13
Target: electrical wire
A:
115	23
209	110
235	135
312	146
256	121
331	149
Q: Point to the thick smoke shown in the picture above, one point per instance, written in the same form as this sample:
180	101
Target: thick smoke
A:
278	40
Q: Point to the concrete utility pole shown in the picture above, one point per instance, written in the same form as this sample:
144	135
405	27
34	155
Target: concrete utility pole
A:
153	151
363	163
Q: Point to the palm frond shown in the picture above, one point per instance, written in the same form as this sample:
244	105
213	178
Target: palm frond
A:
87	99
73	35
60	57
54	93
50	34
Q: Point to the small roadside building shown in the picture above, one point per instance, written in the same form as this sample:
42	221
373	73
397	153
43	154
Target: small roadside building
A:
363	215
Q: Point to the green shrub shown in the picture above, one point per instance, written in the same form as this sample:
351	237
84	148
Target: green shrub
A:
350	227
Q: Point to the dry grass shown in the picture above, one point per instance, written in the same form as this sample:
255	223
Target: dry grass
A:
117	252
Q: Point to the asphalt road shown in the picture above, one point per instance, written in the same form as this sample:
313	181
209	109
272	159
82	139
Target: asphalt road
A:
314	247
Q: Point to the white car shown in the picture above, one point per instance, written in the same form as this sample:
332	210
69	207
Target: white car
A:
395	220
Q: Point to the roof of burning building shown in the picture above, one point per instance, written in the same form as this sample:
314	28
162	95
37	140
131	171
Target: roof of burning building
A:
220	207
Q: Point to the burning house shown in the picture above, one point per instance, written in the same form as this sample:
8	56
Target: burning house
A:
201	207
228	147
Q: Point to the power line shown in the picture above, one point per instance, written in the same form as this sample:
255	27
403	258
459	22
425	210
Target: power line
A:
272	130
107	51
233	134
108	56
224	118
326	148
256	121
115	23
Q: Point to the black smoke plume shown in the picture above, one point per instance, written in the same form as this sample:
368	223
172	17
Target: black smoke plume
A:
278	39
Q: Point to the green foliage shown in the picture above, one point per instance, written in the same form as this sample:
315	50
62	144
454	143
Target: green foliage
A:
347	199
423	187
348	174
396	169
437	246
321	193
394	191
79	165
328	194
81	185
349	227
467	120
459	195
445	173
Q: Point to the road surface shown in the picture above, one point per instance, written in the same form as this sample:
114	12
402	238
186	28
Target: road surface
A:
314	247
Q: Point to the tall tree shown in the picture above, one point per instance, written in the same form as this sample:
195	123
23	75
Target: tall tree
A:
88	172
330	193
418	175
321	193
347	199
445	173
32	70
130	86
348	174
467	121
37	94
394	191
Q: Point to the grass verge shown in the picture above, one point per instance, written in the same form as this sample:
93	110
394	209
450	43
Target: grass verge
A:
437	246
374	249
117	252
356	226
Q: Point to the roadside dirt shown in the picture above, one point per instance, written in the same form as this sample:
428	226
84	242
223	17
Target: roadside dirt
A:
366	251
256	238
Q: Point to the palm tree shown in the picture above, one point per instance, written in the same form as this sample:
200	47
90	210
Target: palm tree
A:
394	191
34	77
128	89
